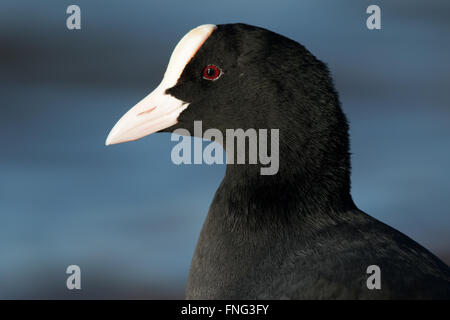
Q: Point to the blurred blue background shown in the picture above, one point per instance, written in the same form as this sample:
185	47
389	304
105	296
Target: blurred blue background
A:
128	216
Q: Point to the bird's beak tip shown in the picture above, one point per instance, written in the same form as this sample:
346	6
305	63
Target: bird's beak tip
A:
113	139
109	141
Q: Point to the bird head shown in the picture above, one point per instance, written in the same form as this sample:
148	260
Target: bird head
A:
234	76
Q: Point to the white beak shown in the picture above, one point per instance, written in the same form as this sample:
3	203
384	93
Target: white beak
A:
159	110
155	112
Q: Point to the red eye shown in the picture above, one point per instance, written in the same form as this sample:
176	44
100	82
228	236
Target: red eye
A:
211	72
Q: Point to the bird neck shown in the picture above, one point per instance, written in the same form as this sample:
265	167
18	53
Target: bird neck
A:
309	182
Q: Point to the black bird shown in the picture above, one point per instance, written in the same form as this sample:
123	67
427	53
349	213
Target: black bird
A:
296	234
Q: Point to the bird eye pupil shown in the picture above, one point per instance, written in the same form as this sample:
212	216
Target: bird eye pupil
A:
211	72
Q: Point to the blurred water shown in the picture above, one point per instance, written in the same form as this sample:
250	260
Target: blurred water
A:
129	217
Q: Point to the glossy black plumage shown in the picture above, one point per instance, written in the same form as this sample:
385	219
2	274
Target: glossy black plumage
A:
297	234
